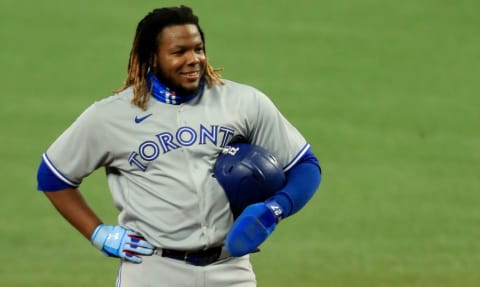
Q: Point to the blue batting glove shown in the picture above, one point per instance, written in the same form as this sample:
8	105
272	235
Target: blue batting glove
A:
253	227
116	241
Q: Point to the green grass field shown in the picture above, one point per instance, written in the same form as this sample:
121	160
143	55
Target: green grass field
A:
387	93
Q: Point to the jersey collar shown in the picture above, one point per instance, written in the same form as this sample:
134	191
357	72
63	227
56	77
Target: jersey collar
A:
165	95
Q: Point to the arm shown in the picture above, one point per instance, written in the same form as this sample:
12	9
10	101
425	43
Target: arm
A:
67	200
115	241
71	205
259	220
303	180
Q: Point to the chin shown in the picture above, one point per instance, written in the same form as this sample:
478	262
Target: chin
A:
186	89
191	87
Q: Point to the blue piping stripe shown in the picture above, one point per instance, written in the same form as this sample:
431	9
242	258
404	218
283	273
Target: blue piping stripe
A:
119	275
57	172
297	157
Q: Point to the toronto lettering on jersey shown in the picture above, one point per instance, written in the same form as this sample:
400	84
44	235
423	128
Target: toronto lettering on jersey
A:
185	136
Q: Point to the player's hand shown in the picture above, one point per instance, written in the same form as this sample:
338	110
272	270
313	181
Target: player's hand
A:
117	241
253	227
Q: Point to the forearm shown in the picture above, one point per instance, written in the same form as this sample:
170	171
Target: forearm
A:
259	220
71	205
302	182
114	241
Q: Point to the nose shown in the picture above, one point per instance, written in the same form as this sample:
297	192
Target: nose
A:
192	57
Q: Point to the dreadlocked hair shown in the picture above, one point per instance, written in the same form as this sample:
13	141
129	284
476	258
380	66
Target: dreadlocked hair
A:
142	55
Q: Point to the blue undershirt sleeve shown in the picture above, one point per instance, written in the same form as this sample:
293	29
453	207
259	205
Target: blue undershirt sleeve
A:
303	180
48	181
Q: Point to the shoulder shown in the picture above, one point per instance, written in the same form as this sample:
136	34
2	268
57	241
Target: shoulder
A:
242	98
118	99
116	104
110	107
230	85
236	90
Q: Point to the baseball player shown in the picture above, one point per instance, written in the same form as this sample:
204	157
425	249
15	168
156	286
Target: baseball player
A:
158	138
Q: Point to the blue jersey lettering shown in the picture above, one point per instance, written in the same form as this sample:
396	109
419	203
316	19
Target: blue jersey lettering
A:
185	136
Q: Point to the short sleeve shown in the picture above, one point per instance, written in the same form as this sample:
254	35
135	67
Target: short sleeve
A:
271	130
79	150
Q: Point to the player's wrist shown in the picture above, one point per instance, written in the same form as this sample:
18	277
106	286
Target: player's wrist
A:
275	208
100	234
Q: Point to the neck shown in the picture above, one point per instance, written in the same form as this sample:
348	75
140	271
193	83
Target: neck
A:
165	94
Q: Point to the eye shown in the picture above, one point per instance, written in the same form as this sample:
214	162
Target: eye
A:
178	52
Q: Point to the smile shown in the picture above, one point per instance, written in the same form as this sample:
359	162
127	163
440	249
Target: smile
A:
191	75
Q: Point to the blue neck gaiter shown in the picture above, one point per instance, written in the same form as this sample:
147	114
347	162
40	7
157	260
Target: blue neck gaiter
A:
165	95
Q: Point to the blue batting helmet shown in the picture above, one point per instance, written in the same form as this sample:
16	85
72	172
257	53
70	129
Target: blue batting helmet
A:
248	174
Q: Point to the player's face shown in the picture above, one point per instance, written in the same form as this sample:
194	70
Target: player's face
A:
181	59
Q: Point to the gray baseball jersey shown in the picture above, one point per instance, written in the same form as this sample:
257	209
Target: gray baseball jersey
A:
160	160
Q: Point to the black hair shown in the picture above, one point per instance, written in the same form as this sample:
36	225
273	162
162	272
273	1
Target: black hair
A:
145	45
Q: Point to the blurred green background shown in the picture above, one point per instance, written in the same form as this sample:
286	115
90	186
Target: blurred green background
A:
387	93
